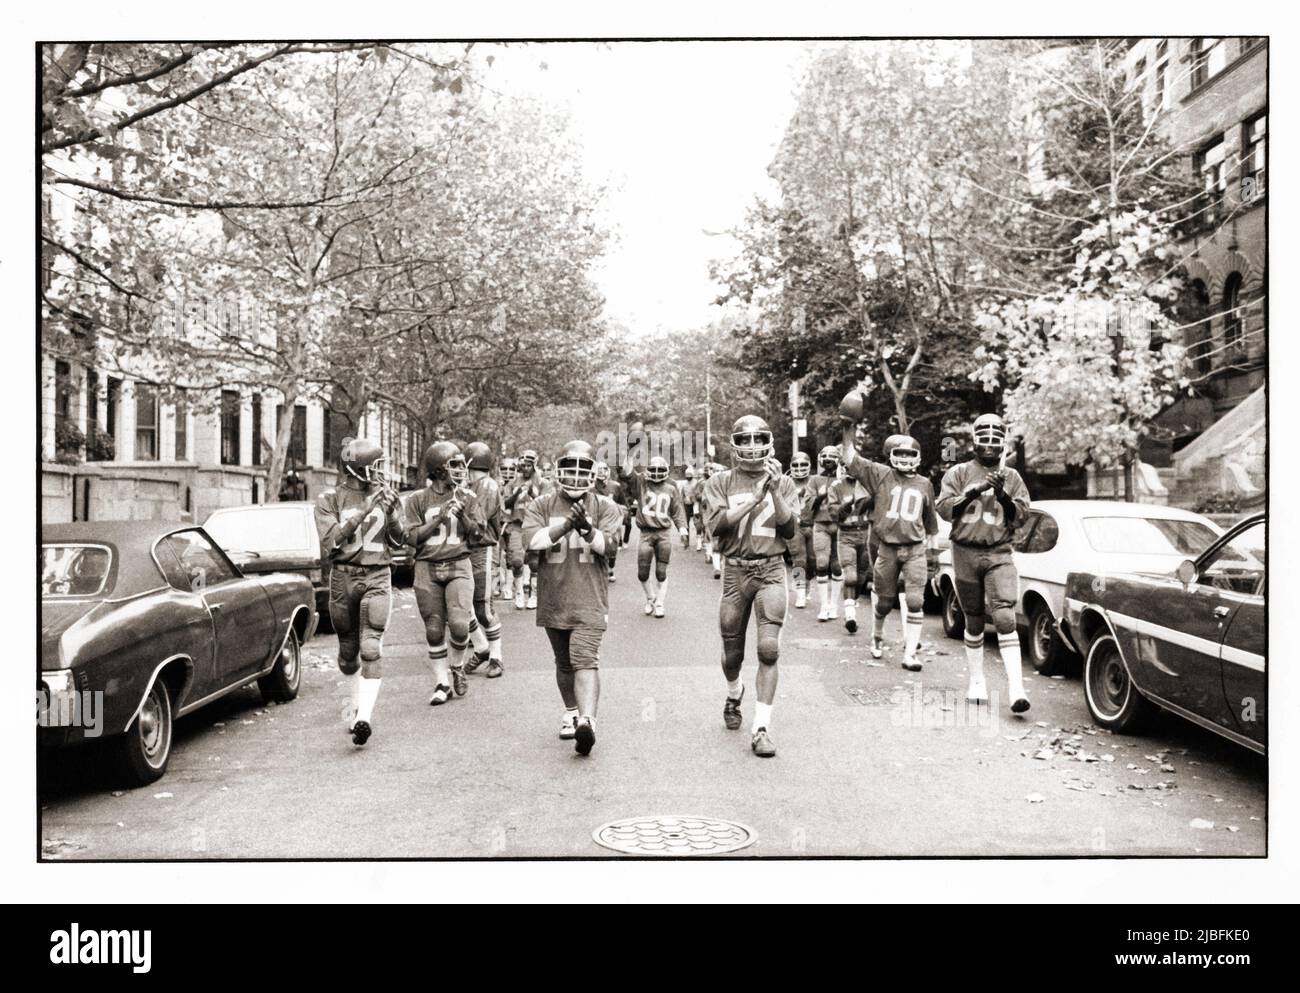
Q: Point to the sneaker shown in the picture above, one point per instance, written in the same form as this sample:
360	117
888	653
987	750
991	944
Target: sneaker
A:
649	607
1020	704
717	573
441	694
825	613
567	727
850	618
977	691
762	744
584	734
911	663
659	610
360	733
532	601
731	712
472	664
877	647
494	669
519	600
459	682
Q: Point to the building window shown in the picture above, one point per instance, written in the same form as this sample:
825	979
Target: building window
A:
110	408
1232	337
257	429
1209	56
329	445
1162	71
1254	158
182	430
146	423
230	427
296	457
1209	166
1196	314
65	392
92	400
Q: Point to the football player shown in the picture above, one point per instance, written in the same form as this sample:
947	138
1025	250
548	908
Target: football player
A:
508	471
986	501
613	489
904	528
358	523
658	511
803	561
485	624
441	521
526	487
686	493
751	513
573	529
830	577
851	503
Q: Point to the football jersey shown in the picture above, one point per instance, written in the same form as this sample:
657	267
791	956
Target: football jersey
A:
755	535
658	505
852	502
904	511
983	522
805	502
371	543
573	590
521	493
488	493
451	539
686	491
817	496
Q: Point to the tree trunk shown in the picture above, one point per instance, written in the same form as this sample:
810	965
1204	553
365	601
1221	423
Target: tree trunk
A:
283	435
1129	471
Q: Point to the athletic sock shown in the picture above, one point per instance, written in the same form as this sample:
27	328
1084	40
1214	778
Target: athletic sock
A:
494	641
975	656
438	662
477	636
663	592
367	694
912	631
762	716
823	590
649	587
735	689
878	626
1009	648
353	683
837	590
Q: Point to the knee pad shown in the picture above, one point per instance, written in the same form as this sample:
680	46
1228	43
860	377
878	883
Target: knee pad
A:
661	570
458	631
1004	620
769	647
372	649
372	668
348	664
643	557
850	575
915	601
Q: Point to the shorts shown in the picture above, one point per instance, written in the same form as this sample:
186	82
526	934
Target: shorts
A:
575	648
361	598
444	593
827	561
985	575
853	550
757	587
893	561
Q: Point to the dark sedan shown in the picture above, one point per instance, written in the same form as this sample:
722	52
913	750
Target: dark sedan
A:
143	622
1190	640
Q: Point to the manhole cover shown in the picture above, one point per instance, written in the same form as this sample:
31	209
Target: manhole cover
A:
674	837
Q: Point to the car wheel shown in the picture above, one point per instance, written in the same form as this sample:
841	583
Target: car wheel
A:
280	685
954	621
1113	701
1046	650
143	751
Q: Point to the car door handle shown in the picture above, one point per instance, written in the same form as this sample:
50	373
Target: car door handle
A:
1222	612
214	607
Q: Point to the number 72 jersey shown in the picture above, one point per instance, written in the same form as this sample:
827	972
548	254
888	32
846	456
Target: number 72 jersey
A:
755	536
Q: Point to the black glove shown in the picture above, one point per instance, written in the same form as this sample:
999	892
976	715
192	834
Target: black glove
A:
578	520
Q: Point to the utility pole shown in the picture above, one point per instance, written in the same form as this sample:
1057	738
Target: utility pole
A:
708	407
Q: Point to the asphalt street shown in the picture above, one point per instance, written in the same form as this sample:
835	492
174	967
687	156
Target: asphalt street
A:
873	760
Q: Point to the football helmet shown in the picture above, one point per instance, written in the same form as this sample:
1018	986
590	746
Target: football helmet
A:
990	438
444	463
903	452
527	460
657	470
828	459
509	470
800	466
478	455
365	461
690	472
575	469
548	470
751	440
602	471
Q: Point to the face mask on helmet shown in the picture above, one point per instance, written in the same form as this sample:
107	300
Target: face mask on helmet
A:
829	459
457	469
508	471
528	462
657	470
990	440
752	448
602	471
800	467
576	475
905	456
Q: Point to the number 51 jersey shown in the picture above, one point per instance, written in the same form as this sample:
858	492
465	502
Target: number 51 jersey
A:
755	536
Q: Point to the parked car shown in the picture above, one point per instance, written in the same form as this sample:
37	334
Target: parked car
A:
157	619
263	538
1189	639
1063	536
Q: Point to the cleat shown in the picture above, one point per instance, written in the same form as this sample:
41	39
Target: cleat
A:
1020	704
877	647
731	712
360	733
459	682
659	610
567	727
519	601
911	663
762	744
494	669
584	734
851	618
532	601
478	659
717	573
649	607
441	694
611	577
977	692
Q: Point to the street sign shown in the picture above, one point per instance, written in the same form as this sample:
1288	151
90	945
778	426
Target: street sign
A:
801	427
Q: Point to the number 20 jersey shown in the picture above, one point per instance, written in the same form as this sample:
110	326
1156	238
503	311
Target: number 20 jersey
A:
755	536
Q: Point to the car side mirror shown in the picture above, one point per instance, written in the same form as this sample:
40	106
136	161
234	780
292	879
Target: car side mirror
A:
1187	573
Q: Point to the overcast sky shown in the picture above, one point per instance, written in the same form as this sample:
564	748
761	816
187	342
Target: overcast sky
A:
683	132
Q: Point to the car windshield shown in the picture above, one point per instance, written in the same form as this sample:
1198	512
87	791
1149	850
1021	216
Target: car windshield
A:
1148	536
74	570
268	529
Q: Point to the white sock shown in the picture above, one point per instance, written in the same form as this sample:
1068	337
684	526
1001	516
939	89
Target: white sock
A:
494	646
456	656
1009	648
762	716
912	631
837	590
663	592
649	587
717	561
735	688
975	657
527	576
478	637
352	683
438	662
519	584
878	626
367	694
570	713
850	604
823	590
